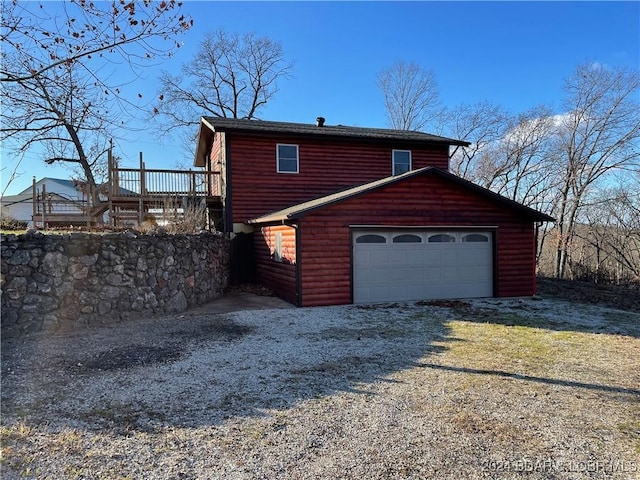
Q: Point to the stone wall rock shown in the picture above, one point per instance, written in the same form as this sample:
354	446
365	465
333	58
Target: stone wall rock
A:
64	282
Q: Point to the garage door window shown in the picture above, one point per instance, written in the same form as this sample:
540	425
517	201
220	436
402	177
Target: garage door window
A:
475	237
407	239
371	239
441	238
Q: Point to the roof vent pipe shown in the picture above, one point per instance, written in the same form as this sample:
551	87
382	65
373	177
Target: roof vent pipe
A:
320	122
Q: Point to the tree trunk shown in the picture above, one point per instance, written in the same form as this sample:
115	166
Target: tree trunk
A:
93	197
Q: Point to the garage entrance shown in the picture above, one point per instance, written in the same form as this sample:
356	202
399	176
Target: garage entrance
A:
406	265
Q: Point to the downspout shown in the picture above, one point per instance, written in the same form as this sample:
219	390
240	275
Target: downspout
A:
228	217
296	227
537	234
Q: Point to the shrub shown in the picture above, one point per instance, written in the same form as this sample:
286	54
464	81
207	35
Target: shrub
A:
7	222
193	220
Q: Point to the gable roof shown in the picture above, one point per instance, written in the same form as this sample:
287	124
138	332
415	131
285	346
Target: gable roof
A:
298	211
233	124
9	200
13	199
74	185
61	181
209	125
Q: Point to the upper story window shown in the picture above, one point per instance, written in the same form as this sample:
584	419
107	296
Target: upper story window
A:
401	161
287	158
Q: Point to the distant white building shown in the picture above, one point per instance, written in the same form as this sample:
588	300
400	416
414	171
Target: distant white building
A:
61	197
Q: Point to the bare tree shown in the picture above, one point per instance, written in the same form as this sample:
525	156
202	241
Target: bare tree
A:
411	96
57	88
38	37
524	167
64	112
598	135
605	246
230	76
483	125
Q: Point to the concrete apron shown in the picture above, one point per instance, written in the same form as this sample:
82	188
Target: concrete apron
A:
239	301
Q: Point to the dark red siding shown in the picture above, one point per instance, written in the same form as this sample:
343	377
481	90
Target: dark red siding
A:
279	276
427	201
325	166
215	157
214	164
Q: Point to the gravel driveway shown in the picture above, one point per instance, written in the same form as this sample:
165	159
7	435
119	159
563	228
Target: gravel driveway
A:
532	389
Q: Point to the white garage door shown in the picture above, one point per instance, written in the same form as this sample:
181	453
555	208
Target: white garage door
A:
416	265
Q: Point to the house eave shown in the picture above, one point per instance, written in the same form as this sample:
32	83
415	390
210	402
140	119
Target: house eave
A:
205	137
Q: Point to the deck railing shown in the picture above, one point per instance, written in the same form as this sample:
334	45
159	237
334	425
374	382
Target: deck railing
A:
144	182
58	204
137	193
129	191
52	207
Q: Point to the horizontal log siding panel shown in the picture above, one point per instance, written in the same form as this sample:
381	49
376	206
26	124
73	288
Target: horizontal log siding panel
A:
215	162
427	201
216	156
516	259
325	166
280	277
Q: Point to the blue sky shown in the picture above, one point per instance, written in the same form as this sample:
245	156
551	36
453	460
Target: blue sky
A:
514	54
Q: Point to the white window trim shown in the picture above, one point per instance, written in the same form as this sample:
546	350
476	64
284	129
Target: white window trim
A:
393	160
277	251
278	145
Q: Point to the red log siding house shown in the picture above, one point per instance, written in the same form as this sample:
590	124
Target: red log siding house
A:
345	215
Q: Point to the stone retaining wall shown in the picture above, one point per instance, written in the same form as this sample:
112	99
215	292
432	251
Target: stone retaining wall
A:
54	282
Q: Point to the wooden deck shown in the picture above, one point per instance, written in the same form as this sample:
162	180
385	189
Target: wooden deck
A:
133	195
138	194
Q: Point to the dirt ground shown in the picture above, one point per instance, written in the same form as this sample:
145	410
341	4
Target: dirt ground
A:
536	389
612	296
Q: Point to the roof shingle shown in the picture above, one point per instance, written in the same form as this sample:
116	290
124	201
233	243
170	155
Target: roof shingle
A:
262	126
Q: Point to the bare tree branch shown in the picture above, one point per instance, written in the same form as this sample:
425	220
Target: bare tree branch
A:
100	28
56	88
411	96
230	76
599	134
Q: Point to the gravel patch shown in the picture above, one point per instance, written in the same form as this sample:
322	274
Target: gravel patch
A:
493	388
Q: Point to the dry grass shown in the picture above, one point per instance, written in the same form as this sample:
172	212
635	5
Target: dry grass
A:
494	389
